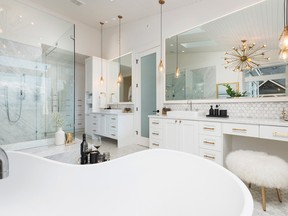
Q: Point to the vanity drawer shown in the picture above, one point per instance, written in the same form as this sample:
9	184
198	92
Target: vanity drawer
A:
241	129
210	142
212	155
155	123
155	134
274	132
210	128
113	118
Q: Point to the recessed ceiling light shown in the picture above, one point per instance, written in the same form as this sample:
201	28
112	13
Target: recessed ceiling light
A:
32	23
171	44
111	0
20	16
113	18
1	9
106	21
1	30
183	51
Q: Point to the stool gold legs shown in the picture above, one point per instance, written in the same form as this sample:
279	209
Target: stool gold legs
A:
263	190
279	194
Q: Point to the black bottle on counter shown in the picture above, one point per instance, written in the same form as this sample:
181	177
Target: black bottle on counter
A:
84	150
216	111
211	111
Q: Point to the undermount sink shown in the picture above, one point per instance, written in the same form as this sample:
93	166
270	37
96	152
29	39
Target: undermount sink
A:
111	110
184	114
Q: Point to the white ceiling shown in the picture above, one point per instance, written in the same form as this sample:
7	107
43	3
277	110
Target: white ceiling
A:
260	24
95	11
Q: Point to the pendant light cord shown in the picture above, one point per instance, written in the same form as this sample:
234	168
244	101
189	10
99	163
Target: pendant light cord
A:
120	17
161	31
284	13
101	50
177	57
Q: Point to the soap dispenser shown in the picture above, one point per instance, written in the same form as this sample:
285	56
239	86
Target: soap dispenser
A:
211	110
217	110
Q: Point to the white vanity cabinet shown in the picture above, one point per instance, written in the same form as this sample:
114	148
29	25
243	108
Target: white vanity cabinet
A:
211	141
155	132
181	135
114	126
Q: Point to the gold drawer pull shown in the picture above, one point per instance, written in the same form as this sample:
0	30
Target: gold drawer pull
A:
157	134
113	118
208	142
239	130
113	135
155	144
210	157
209	128
113	126
277	134
155	123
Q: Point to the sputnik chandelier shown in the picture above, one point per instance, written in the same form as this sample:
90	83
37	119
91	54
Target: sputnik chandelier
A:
245	57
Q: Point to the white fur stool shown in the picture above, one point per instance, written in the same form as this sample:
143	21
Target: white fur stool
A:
261	169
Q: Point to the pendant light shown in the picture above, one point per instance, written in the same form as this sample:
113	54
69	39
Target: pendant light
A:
283	40
101	68
177	74
120	77
161	65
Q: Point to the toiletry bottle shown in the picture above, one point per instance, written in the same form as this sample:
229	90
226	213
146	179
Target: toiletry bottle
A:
217	110
211	111
84	150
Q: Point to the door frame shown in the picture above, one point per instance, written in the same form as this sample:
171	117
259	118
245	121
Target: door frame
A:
159	91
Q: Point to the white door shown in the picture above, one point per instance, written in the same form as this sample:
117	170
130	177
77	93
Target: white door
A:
146	99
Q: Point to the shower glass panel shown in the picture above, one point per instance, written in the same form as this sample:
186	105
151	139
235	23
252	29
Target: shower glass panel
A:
36	75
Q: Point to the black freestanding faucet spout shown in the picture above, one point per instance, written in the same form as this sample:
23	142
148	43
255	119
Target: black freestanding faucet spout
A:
4	164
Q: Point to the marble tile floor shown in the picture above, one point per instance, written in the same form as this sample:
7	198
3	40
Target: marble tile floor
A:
108	145
70	154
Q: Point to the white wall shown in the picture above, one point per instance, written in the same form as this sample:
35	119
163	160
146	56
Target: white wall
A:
144	34
87	38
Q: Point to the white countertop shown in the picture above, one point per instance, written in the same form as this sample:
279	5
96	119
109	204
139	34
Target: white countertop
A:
107	113
271	122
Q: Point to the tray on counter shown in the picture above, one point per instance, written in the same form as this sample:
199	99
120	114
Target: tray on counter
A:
218	116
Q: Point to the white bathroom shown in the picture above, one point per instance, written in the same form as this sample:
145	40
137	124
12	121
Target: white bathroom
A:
156	107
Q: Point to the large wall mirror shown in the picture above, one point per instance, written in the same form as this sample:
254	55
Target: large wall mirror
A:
200	55
120	92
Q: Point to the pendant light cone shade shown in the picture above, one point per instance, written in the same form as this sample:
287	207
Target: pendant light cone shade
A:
101	78
120	77
161	65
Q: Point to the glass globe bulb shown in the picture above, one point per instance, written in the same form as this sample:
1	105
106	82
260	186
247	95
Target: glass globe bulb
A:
283	41
161	66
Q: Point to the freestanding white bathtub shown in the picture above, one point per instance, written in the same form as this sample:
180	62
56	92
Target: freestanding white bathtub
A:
146	183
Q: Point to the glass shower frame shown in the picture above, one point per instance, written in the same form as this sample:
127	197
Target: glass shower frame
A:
36	79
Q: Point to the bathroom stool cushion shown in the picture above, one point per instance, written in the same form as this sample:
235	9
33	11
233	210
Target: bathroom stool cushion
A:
258	168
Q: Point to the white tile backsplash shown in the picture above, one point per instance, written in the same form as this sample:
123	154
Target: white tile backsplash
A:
267	110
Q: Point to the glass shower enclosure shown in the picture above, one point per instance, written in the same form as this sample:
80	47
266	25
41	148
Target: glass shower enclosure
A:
36	76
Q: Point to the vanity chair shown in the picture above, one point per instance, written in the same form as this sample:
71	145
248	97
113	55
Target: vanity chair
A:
261	169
